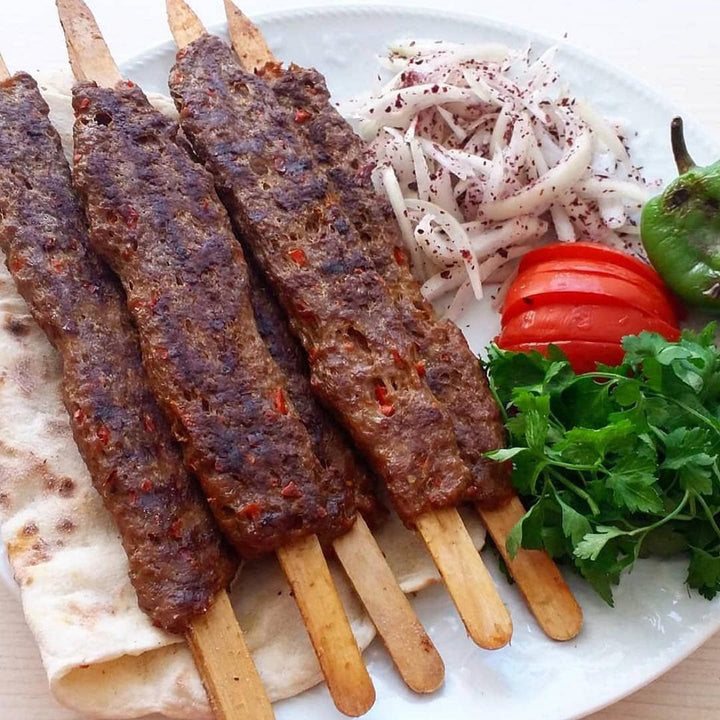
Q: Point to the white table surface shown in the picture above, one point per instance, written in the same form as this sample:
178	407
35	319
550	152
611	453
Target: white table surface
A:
670	45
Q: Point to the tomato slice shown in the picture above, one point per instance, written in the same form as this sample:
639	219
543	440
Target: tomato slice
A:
536	289
588	323
591	252
597	267
583	356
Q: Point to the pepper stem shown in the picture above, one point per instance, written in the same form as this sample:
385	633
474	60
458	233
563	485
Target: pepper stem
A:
680	152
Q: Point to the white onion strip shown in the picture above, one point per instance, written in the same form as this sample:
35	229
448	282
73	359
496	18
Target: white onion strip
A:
483	152
394	195
548	186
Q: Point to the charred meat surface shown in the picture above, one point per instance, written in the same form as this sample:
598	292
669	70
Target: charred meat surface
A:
155	217
451	370
363	362
178	559
330	443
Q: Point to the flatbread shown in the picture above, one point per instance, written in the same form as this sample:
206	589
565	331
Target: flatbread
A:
102	655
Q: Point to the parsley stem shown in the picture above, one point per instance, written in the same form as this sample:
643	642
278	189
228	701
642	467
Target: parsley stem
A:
575	489
708	512
573	466
698	415
670	516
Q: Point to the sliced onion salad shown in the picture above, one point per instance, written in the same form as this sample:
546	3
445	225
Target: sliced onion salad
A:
484	153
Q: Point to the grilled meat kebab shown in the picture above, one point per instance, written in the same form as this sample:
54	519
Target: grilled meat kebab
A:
451	370
364	363
178	559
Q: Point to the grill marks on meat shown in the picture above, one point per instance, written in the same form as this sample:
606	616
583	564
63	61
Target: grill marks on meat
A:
363	362
330	443
178	560
452	371
155	217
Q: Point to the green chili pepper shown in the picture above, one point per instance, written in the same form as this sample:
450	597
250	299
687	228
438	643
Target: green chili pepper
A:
680	229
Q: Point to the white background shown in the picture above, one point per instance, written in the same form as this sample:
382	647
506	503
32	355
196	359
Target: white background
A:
672	46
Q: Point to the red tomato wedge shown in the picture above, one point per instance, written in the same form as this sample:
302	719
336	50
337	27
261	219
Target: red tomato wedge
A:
533	289
585	298
595	267
590	252
587	323
583	356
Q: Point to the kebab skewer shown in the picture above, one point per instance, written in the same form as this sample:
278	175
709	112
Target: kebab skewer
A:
452	371
412	651
364	363
408	644
178	561
154	216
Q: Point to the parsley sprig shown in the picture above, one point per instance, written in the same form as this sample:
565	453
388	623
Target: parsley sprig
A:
618	463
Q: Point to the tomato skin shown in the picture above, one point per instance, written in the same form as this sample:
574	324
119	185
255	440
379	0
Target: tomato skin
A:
589	323
533	289
590	252
584	298
583	356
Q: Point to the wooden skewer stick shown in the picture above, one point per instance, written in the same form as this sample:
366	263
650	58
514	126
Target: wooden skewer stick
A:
248	42
486	618
226	666
538	578
4	72
468	581
185	25
542	585
407	642
307	572
215	639
90	58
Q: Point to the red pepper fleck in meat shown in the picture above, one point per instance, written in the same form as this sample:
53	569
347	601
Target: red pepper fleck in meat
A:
291	490
103	434
251	510
148	424
280	402
298	255
132	218
381	394
301	116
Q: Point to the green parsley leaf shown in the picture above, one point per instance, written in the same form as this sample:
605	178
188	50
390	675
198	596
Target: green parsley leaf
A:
633	483
704	573
574	525
593	543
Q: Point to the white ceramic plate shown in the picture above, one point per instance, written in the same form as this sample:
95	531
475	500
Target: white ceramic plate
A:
656	622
